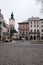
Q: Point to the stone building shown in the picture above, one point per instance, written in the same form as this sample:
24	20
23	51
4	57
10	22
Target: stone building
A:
41	29
24	30
3	27
12	21
34	28
12	30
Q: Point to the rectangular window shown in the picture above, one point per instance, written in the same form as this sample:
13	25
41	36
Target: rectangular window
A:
41	21
31	25
37	30
34	25
20	31
34	22
34	30
42	30
31	22
37	25
23	31
19	26
26	26
0	22
31	30
0	38
26	31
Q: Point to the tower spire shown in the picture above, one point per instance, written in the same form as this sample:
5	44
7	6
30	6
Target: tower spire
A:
12	16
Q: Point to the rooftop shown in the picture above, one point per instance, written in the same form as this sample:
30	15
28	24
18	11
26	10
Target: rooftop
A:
24	22
34	18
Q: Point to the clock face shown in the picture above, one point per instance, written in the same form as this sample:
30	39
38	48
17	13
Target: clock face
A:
11	22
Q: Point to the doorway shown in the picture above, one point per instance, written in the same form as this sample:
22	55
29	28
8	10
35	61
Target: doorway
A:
20	37
0	38
34	37
26	37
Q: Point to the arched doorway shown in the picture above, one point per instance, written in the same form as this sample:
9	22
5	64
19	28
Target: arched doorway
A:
0	38
34	37
26	37
31	37
23	36
42	37
20	37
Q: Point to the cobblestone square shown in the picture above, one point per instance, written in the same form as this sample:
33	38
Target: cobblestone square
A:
21	53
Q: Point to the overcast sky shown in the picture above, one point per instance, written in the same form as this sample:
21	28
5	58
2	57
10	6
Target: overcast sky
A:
22	9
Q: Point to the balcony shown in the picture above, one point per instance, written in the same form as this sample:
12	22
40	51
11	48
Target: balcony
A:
33	33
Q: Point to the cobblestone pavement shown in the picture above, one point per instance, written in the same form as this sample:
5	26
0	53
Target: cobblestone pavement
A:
21	53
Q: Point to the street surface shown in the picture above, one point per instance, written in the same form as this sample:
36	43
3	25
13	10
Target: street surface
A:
21	53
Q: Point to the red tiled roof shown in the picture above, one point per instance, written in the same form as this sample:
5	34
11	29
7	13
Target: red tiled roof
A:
23	23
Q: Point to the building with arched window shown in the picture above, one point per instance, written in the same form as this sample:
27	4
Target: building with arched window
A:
34	28
24	30
12	31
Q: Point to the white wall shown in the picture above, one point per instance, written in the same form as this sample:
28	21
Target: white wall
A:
12	22
4	29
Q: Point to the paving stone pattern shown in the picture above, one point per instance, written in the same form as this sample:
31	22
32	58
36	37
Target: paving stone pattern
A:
21	53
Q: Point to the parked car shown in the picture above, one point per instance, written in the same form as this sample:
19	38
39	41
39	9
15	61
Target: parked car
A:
7	40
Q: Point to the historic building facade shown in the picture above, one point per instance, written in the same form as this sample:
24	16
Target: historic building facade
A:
34	28
31	30
41	29
12	21
12	31
3	27
24	30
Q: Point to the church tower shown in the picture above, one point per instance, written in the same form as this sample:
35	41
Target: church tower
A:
12	29
12	21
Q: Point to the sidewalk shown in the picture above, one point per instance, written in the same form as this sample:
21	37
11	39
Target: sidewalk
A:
36	41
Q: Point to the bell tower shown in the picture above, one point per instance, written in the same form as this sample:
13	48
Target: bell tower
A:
12	16
12	21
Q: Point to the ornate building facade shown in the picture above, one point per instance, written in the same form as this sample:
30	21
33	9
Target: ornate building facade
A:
41	29
34	28
3	27
24	30
12	31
